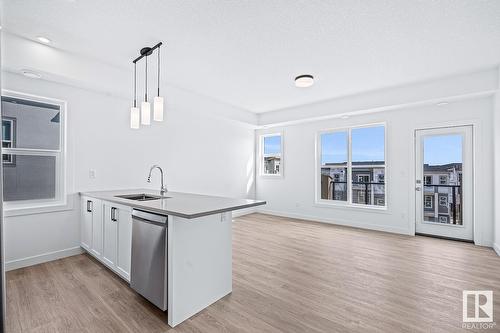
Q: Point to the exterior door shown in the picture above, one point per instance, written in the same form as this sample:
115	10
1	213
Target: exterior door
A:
444	182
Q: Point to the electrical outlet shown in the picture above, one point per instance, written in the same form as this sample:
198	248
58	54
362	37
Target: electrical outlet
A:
91	173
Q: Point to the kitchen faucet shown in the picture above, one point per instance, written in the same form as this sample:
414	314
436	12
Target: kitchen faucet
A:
163	188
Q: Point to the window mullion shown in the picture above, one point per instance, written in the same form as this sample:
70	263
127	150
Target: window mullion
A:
349	167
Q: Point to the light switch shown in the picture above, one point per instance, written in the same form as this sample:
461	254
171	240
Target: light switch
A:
92	173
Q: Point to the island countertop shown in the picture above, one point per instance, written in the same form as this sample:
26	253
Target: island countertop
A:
185	205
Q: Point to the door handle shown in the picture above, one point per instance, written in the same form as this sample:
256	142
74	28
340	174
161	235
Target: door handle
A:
113	214
418	188
89	206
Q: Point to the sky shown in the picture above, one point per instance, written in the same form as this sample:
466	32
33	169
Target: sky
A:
272	144
443	149
367	145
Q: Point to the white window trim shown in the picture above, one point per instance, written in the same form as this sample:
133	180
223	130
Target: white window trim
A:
349	204
262	156
60	202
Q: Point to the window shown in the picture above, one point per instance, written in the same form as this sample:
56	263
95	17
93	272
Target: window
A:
363	178
333	162
271	150
443	180
428	180
352	166
32	155
443	201
8	139
428	201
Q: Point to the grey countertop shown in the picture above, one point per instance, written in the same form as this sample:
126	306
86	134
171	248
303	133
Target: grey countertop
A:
186	205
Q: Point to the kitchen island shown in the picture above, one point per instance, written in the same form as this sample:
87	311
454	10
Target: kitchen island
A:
198	248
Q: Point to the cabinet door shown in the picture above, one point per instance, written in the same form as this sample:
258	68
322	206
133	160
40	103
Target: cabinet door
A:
110	236
86	223
96	247
124	241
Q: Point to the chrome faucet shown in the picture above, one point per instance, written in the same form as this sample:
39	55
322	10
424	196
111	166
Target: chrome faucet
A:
163	188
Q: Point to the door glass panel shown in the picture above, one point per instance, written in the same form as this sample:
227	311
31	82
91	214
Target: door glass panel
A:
442	179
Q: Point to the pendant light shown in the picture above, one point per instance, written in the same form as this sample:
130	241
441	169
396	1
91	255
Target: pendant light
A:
142	115
146	106
158	101
134	111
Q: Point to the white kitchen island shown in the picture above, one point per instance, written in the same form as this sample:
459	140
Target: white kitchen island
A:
198	242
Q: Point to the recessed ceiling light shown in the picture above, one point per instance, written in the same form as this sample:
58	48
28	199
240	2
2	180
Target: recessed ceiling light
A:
31	74
442	103
44	40
304	81
344	117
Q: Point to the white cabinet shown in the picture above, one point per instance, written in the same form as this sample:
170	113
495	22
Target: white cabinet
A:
124	241
91	225
86	223
106	233
110	244
96	244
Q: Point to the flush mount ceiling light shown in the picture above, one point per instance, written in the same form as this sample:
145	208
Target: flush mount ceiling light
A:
44	40
344	117
304	81
442	103
31	74
145	112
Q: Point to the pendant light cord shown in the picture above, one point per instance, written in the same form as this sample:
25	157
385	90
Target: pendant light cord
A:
146	81
158	71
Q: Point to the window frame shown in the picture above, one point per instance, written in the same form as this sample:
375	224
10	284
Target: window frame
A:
349	202
262	156
59	202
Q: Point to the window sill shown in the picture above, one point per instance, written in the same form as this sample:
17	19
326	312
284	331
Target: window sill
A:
271	176
18	209
363	208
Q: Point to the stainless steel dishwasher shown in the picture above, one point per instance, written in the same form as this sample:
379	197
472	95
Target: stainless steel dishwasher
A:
148	272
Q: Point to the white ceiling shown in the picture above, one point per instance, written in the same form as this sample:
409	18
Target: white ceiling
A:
247	53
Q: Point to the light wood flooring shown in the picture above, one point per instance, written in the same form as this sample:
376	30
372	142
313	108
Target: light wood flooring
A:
288	276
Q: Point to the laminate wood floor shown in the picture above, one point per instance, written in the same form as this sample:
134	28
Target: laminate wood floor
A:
289	276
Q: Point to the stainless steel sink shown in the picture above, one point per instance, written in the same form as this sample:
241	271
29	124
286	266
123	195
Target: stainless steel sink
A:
141	197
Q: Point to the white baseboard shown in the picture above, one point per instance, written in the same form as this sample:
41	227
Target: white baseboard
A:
346	223
41	258
496	247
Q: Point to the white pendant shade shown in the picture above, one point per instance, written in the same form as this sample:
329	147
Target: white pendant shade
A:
158	109
135	117
145	113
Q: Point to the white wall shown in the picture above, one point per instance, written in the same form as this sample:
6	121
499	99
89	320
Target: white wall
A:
293	195
200	153
497	170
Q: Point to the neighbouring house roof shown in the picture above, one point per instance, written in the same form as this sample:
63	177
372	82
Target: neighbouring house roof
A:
443	167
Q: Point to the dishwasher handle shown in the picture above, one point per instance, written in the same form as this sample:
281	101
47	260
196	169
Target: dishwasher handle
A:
149	217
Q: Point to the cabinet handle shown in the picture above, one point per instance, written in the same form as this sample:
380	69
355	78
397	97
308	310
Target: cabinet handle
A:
113	214
89	206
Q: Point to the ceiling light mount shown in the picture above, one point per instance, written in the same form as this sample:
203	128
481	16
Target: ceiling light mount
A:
304	81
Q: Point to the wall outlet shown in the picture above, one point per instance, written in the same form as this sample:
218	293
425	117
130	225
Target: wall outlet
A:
92	173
